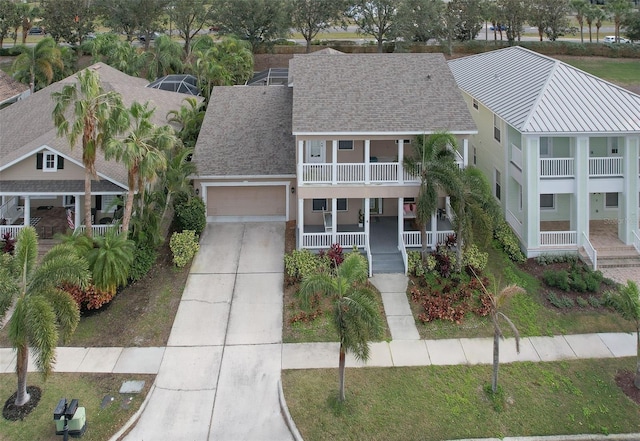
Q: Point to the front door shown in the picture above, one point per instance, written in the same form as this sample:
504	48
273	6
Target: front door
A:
315	152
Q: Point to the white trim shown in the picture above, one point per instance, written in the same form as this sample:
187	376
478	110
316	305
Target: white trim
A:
45	159
400	134
554	206
287	184
293	176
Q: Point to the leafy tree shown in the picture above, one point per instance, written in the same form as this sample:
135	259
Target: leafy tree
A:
7	9
591	14
132	16
618	10
632	24
600	14
189	117
627	302
513	14
97	116
42	311
164	58
16	20
419	20
29	14
580	7
36	64
468	18
550	17
375	18
142	152
188	18
257	21
433	163
111	259
121	55
68	20
309	17
356	315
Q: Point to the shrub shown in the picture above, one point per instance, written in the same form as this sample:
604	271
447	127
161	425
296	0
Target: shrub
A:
594	301
183	246
190	215
144	256
560	302
475	258
582	302
300	263
576	282
557	279
592	280
334	255
548	259
89	298
508	241
9	243
414	263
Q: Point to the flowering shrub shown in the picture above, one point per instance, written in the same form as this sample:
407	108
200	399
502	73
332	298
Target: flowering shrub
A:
89	298
334	254
183	246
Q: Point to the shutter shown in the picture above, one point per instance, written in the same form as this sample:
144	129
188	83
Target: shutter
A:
98	202
60	163
39	157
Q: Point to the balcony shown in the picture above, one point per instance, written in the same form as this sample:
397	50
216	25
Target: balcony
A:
564	167
356	173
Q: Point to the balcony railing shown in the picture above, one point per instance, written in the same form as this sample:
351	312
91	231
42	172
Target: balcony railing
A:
412	239
558	238
611	166
556	167
347	240
565	168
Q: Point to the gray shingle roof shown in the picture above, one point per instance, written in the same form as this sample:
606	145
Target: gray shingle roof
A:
376	93
247	132
57	187
27	125
537	94
10	88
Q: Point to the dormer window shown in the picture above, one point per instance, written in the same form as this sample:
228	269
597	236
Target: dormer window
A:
49	161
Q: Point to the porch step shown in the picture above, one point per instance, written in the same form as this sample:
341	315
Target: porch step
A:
388	263
614	257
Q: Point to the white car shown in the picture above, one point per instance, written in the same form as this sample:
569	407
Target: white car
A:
612	39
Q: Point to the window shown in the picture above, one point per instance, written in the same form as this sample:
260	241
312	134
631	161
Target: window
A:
547	201
342	204
546	146
613	146
496	127
49	161
475	156
520	196
345	145
611	200
498	188
475	104
319	205
404	141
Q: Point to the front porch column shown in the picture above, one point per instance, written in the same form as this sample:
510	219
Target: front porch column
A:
300	157
580	209
367	161
300	224
27	211
367	216
628	200
334	220
334	161
400	219
400	163
531	195
465	152
434	231
76	212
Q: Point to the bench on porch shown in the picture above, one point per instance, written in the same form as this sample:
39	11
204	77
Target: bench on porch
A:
328	222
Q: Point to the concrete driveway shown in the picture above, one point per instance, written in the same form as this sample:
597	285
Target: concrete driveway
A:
219	376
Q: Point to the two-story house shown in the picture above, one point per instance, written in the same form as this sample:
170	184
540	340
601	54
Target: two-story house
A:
560	146
327	150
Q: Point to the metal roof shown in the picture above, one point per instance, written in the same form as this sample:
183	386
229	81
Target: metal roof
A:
538	94
182	83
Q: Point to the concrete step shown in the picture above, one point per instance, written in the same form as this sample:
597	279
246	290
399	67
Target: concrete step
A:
387	263
618	262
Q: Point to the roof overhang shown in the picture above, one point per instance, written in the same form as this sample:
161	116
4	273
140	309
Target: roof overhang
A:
398	134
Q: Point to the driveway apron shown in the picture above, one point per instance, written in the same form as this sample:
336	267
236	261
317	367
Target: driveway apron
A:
219	376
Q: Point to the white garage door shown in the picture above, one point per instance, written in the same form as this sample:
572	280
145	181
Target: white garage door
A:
246	203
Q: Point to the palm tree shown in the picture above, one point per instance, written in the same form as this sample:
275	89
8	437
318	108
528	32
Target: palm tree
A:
580	7
474	209
110	260
189	117
176	178
599	15
164	58
42	311
496	301
627	302
36	65
356	315
97	117
433	162
142	152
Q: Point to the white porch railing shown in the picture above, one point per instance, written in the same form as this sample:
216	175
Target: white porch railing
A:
405	257
609	166
410	177
369	257
636	241
9	211
316	173
591	251
316	240
379	172
412	239
350	173
458	158
98	230
383	172
516	156
514	222
558	238
441	236
351	239
13	230
557	167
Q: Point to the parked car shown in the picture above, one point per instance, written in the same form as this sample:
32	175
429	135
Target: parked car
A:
612	39
153	36
498	28
36	30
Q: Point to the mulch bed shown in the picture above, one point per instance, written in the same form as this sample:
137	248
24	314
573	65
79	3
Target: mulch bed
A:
624	380
12	412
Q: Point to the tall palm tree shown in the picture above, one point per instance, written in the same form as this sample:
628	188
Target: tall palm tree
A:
474	209
434	163
36	65
142	152
42	311
627	302
176	178
97	116
164	58
356	315
110	260
189	117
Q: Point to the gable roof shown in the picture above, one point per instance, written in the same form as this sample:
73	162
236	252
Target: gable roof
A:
27	125
247	132
376	94
10	89
538	94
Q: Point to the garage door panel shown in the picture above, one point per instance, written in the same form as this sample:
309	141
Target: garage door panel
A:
246	201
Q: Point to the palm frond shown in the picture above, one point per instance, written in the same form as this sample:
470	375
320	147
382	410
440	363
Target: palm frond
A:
26	253
513	329
318	283
42	333
66	311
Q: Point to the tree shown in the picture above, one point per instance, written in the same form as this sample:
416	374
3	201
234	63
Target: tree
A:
433	163
627	303
580	7
632	24
36	64
97	116
256	21
188	18
68	20
309	17
513	14
591	14
618	10
142	152
110	260
419	20
356	314
164	58
600	15
7	9
29	14
550	17
132	16
42	311
176	179
468	18
189	117
375	18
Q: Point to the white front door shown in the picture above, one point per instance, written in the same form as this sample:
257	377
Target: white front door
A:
315	152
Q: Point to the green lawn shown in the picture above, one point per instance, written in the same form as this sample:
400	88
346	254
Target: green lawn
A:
436	403
617	70
90	389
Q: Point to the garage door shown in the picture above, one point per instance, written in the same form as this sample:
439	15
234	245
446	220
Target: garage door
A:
246	203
